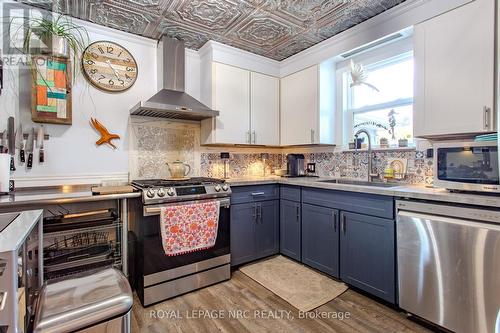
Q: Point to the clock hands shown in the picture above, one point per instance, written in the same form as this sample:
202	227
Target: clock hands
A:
114	70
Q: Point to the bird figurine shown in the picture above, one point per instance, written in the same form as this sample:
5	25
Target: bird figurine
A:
106	137
359	76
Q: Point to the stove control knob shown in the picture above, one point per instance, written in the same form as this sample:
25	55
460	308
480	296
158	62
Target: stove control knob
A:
225	187
170	192
217	188
150	193
161	192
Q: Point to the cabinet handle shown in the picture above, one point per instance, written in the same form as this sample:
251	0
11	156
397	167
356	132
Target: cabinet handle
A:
248	138
312	135
254	194
254	215
259	213
487	111
344	221
334	221
298	213
254	137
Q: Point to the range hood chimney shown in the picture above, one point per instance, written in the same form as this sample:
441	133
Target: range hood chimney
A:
172	101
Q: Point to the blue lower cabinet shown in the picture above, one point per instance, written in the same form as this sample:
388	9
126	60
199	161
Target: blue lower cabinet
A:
290	229
268	228
367	254
243	227
254	231
320	238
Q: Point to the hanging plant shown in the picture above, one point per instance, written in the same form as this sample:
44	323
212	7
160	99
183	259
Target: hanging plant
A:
59	37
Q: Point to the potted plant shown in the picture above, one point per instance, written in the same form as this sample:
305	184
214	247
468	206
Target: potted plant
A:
59	37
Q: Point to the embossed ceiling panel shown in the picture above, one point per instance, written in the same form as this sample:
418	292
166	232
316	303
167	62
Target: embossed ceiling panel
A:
276	29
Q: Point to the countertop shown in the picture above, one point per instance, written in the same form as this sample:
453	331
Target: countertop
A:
13	236
83	193
57	195
403	191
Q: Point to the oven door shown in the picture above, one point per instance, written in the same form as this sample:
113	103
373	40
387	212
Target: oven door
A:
158	267
470	166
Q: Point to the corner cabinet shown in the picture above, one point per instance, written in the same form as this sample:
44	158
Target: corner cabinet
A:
306	98
367	254
248	103
454	72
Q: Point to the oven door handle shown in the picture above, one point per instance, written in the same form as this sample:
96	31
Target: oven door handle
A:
156	209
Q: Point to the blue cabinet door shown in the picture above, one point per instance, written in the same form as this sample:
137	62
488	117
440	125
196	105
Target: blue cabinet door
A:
243	228
320	238
290	229
267	228
367	254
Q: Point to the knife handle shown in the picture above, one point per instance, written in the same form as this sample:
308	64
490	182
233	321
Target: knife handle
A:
21	156
41	157
12	165
30	160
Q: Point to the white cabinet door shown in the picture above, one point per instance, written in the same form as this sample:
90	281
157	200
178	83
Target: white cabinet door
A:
231	97
454	71
264	109
299	107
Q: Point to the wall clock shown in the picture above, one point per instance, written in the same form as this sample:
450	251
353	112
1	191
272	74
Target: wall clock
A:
109	66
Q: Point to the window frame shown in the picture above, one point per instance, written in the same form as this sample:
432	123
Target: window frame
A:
380	57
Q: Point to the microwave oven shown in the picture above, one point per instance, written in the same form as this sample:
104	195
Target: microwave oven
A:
467	166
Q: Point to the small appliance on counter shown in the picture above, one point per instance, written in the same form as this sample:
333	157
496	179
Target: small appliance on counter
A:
295	165
467	166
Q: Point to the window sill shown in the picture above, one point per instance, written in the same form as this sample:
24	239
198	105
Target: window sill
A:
409	148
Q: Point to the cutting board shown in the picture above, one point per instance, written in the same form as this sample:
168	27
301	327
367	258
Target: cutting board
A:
101	190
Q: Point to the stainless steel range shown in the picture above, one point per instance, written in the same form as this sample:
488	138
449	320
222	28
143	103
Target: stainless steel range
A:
157	276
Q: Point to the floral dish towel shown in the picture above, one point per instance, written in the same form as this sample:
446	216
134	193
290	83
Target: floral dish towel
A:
189	227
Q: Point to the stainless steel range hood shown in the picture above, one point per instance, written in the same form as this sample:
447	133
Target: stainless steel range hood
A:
172	101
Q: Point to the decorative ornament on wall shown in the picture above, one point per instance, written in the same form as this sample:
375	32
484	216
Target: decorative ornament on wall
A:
106	137
109	66
359	76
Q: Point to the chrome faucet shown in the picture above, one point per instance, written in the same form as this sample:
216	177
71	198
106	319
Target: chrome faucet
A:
371	174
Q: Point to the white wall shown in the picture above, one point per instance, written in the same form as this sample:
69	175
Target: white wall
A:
71	155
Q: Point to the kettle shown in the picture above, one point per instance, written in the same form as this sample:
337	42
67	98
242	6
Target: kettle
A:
178	169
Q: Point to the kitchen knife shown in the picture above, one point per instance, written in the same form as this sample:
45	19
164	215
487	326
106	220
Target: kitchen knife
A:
2	142
29	147
12	142
39	143
20	142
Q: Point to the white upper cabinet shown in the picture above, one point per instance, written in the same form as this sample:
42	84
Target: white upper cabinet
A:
230	96
302	109
454	72
248	105
264	109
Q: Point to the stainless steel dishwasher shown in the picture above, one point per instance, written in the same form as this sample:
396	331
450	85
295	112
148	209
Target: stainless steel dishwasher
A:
449	265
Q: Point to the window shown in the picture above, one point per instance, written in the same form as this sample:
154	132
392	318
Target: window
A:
387	113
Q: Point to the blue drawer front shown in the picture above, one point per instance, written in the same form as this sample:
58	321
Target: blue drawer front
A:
254	193
291	193
368	204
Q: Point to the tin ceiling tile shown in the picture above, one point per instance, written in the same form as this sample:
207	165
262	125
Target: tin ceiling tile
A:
276	29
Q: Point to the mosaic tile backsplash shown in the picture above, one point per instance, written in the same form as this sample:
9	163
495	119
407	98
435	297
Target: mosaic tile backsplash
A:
155	143
340	164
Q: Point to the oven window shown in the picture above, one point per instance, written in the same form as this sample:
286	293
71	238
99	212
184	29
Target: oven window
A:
476	165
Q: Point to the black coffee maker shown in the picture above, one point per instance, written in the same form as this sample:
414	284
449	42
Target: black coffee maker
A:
295	165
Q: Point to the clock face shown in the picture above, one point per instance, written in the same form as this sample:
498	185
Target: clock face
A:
109	66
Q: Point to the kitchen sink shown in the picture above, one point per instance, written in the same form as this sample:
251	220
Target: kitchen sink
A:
358	182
